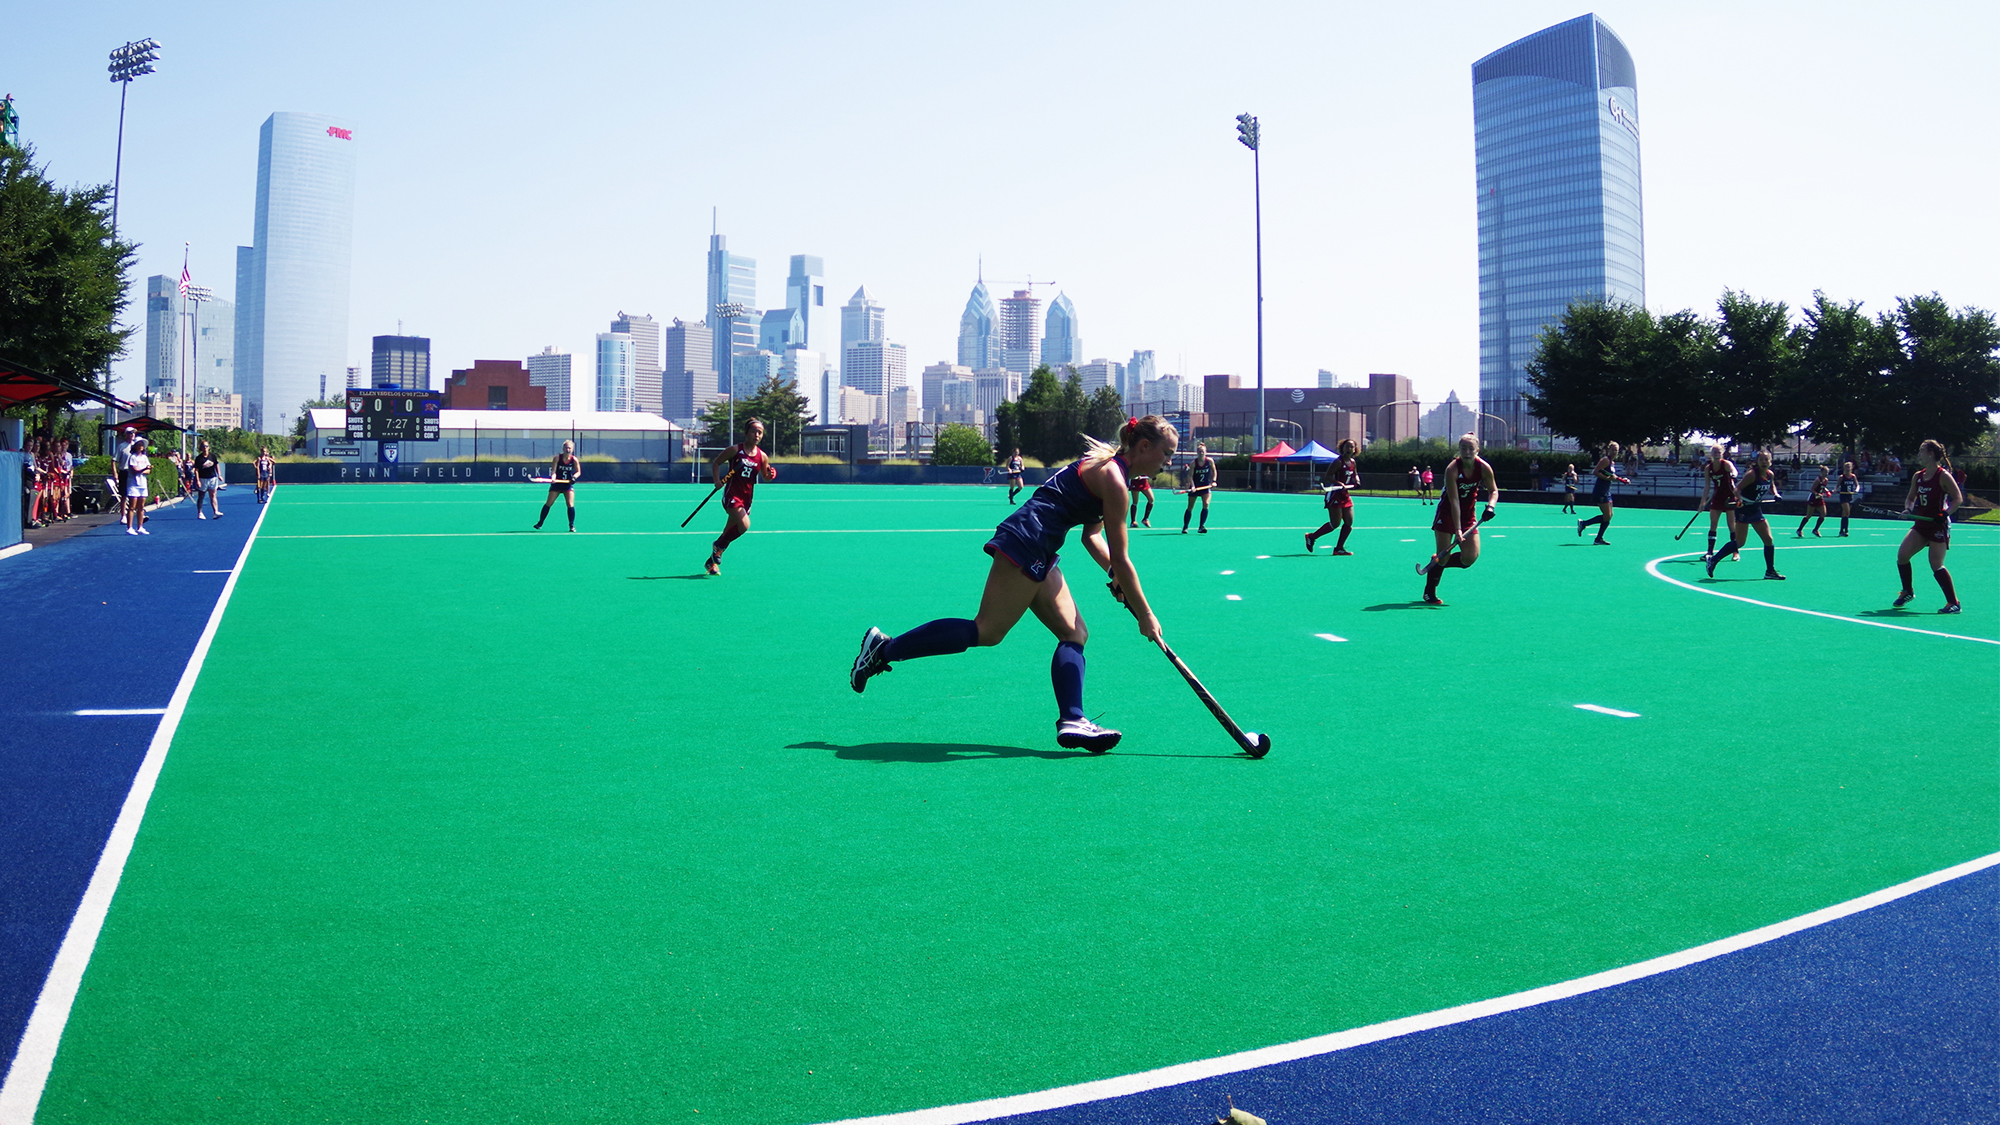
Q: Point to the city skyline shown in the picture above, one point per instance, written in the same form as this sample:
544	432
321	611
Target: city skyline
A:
1369	182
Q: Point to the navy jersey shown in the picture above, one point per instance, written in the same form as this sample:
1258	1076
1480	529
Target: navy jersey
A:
564	468
1201	474
1036	531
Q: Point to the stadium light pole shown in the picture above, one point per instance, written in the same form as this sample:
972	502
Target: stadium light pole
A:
1247	133
727	312
196	296
1387	405
127	62
1502	421
1294	425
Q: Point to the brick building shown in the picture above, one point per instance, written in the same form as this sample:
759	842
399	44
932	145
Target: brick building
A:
494	384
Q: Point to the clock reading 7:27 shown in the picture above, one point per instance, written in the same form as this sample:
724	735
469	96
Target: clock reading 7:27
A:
392	415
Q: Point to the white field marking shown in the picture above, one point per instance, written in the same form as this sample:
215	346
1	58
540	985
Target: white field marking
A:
709	533
1263	556
1085	1092
212	572
21	548
1330	637
1229	572
1653	568
122	711
1406	541
1612	711
22	1091
1232	597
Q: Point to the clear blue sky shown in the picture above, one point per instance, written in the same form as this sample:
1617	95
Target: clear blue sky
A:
529	169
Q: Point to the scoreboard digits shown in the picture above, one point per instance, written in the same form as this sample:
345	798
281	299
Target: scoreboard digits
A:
391	415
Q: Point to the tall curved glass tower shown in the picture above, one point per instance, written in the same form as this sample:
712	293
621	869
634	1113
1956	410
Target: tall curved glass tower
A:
1556	122
1061	341
979	331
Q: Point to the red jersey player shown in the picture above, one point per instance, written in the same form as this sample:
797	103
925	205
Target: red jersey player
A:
1465	478
1340	500
1933	495
745	463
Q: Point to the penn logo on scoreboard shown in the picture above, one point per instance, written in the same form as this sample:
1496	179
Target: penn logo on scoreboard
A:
337	131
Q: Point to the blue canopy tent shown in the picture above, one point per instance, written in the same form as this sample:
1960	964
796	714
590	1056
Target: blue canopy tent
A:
1311	453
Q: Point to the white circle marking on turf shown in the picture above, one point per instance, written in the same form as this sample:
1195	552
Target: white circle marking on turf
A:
1229	572
1612	711
1330	637
1653	568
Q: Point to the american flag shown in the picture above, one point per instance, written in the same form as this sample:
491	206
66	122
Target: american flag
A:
185	280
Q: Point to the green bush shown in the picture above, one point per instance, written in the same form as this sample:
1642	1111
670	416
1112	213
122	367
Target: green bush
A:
961	445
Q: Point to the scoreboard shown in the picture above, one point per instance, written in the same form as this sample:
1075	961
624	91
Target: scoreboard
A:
391	415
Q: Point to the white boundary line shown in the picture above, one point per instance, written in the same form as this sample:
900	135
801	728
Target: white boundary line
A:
1653	568
1081	1093
22	1091
21	548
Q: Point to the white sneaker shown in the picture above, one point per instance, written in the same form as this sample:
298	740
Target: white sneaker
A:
1082	734
143	531
131	531
201	515
869	661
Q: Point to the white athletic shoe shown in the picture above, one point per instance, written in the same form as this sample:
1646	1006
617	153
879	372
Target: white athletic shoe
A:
869	661
1082	734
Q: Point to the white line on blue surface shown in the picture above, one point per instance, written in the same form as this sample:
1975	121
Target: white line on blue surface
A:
1101	1089
1612	711
122	711
212	572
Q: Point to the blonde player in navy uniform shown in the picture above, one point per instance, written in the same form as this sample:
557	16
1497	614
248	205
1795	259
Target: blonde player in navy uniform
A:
1759	487
1600	493
564	471
1015	467
1850	495
1091	493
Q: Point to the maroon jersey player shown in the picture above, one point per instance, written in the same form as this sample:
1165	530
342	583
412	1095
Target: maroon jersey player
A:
738	468
1464	479
1340	500
1933	495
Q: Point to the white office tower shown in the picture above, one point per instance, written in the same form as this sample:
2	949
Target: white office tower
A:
1166	394
936	375
645	333
617	360
875	366
689	385
550	370
1100	373
993	386
805	290
802	369
292	281
1327	379
862	321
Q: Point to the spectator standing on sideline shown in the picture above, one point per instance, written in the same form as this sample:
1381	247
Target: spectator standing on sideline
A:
208	478
137	466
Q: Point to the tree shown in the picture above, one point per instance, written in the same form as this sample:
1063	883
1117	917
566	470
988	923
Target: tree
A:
1585	370
1753	368
305	409
1945	383
961	445
1048	420
1105	415
784	411
1839	378
62	274
1669	382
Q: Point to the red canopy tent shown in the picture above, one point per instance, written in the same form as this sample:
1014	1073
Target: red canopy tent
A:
1282	449
144	424
21	385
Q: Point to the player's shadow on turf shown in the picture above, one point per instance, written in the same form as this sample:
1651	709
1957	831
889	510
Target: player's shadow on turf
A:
932	751
663	577
1887	613
1393	605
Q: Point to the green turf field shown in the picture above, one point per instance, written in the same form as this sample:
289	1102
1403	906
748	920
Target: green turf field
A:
471	824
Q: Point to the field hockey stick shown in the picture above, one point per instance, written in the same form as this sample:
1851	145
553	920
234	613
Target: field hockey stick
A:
1250	742
1690	523
703	504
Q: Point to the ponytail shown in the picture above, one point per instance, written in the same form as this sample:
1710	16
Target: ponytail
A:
1937	447
1135	430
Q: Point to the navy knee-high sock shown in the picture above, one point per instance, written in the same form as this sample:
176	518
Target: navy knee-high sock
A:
1204	517
1843	525
1711	540
1597	519
1770	557
1066	673
1903	572
572	517
544	515
942	637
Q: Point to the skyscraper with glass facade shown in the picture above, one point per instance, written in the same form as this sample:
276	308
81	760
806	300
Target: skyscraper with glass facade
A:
549	369
805	290
862	321
617	363
1556	124
401	362
979	330
1020	340
210	353
732	281
645	333
291	283
1062	342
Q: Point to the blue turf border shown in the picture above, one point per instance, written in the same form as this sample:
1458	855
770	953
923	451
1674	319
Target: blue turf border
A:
101	620
1889	1015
